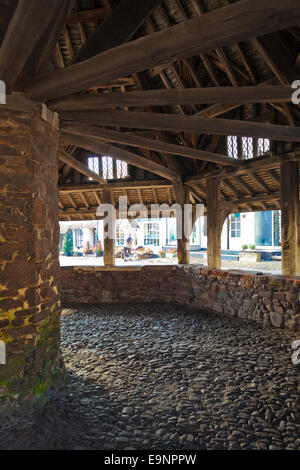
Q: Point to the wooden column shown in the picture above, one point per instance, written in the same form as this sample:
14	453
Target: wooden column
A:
183	238
214	223
290	236
108	242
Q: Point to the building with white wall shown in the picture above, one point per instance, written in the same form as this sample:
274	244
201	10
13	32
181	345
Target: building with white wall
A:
259	229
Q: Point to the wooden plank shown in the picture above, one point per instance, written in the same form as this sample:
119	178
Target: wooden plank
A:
72	162
68	42
182	197
216	110
290	210
223	58
278	57
42	59
101	148
141	142
218	28
72	201
24	31
82	195
60	204
212	95
118	186
118	27
213	224
87	15
108	242
210	70
97	197
260	197
179	123
60	59
248	167
260	182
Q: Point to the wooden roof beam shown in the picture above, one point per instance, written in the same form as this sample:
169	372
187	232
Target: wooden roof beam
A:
248	167
141	142
72	162
101	148
179	123
169	97
42	58
82	195
118	27
26	28
258	198
218	28
88	15
117	186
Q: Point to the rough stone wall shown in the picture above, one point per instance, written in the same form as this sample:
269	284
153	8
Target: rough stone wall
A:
29	266
132	284
267	300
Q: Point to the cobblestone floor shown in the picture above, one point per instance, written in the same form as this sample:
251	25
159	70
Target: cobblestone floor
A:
157	376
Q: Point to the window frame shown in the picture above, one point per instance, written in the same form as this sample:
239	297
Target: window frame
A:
235	226
78	238
108	167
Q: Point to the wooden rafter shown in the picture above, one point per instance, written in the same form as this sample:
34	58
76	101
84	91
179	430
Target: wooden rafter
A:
88	15
26	28
101	148
123	21
42	59
176	123
117	186
248	168
220	27
73	163
239	95
136	141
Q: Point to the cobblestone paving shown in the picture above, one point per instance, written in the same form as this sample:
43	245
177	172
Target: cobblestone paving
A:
159	376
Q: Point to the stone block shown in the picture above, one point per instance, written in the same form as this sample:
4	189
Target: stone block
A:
276	319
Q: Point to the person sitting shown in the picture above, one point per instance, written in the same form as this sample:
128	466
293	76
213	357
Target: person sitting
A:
127	247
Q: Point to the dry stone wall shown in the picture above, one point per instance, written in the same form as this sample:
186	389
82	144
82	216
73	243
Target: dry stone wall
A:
272	301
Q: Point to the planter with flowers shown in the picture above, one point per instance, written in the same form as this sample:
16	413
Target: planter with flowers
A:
171	252
249	254
98	250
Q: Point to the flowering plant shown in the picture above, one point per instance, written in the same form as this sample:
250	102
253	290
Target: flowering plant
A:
97	249
87	249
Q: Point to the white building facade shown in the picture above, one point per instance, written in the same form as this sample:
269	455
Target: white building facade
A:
254	229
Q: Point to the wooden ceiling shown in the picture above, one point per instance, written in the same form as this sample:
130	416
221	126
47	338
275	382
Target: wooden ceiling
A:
160	84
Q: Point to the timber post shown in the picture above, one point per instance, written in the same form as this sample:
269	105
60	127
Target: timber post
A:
109	240
214	228
289	197
183	231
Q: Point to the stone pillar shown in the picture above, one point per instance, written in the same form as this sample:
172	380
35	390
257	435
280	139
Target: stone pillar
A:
183	232
109	241
29	265
290	214
215	221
